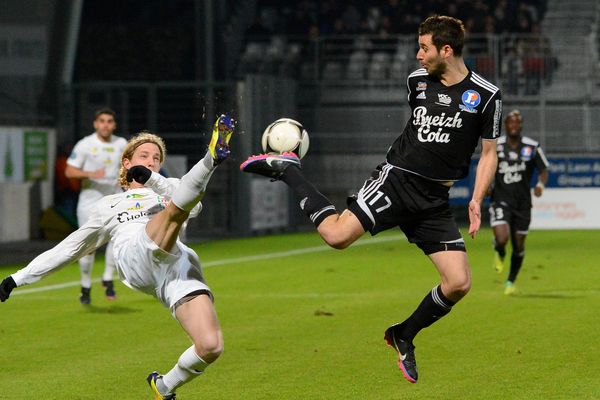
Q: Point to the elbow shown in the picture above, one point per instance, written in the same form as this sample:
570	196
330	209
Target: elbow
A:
69	173
335	241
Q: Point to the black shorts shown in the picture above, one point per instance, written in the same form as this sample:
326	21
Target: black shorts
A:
393	197
518	219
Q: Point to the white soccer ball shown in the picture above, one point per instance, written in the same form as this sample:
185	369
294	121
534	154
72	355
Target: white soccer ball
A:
285	135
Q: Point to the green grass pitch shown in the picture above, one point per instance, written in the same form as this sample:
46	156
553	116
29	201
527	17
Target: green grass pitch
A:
308	323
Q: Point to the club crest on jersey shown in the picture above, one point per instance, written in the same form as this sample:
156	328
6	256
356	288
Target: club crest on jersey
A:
470	99
421	86
443	99
526	153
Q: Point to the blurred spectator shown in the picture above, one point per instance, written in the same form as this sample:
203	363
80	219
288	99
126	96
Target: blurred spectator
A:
258	30
66	191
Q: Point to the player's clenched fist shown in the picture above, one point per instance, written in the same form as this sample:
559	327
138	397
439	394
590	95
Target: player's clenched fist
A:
138	173
6	287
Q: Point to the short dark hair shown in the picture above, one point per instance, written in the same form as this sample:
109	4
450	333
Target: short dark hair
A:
105	110
444	30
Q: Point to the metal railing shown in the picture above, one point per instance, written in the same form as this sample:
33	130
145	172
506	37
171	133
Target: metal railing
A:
521	64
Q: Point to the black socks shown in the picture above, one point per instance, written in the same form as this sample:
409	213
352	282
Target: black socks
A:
316	206
433	307
516	260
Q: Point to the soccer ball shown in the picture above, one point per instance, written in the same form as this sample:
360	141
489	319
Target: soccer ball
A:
285	135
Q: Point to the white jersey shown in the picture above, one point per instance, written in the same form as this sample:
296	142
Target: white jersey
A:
91	154
122	218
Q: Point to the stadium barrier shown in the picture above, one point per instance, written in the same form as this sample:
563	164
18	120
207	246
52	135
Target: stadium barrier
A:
27	157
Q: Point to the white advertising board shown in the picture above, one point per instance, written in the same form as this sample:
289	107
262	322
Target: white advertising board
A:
568	208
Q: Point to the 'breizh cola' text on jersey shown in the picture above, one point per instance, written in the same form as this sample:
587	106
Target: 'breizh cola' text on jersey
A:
445	125
515	170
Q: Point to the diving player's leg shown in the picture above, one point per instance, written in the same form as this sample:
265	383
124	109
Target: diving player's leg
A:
164	228
199	319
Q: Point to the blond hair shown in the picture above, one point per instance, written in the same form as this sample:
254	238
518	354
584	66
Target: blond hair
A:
133	144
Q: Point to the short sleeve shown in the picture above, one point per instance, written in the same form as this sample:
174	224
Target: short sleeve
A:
492	117
77	157
541	162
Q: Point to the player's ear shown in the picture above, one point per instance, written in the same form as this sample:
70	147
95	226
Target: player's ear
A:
126	163
447	51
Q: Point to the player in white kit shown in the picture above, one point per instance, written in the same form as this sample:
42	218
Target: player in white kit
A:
95	160
143	224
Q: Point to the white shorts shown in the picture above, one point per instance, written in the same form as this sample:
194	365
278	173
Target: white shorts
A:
169	277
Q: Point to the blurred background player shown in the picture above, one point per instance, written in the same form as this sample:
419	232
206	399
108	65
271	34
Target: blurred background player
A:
144	223
452	109
510	209
95	160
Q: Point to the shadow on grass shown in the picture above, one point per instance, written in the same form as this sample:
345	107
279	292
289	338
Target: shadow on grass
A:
116	309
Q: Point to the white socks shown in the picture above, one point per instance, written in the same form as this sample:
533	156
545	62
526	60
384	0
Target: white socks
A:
193	184
86	263
189	366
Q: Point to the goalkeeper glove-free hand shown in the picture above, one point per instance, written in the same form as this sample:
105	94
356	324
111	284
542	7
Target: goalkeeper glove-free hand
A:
6	287
139	173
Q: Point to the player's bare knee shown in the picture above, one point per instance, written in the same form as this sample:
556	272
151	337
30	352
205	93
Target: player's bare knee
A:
458	287
209	347
501	240
461	287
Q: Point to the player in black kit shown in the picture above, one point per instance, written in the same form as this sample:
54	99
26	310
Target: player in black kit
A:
452	108
510	209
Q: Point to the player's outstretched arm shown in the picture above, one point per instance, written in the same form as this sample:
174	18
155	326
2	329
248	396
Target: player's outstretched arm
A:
84	240
486	168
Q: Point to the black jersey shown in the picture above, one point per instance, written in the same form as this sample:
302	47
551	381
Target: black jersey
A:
445	126
515	169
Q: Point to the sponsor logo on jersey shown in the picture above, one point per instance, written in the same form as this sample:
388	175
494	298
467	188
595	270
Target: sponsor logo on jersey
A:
421	85
126	216
108	149
137	206
421	96
443	99
470	99
526	153
425	122
511	173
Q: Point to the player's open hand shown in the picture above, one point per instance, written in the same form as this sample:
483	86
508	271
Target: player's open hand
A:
474	217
